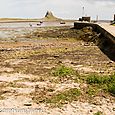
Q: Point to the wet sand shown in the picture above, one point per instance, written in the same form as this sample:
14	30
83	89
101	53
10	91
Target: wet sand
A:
34	24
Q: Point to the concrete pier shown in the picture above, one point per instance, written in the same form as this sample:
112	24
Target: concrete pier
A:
107	30
108	27
107	37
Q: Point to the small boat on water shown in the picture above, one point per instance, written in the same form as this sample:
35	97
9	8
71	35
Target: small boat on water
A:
41	22
62	22
30	25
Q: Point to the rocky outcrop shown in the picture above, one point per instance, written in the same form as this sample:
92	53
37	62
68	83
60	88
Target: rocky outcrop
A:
50	17
49	14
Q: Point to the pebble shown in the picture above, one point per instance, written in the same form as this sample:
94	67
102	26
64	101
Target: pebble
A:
27	104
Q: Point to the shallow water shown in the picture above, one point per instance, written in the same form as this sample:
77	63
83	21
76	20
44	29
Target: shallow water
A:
11	31
32	24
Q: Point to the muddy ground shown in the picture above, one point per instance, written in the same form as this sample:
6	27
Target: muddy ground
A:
29	55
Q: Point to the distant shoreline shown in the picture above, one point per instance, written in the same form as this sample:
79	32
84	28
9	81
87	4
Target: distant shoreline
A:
24	21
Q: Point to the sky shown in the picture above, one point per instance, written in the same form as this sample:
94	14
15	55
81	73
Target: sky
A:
66	9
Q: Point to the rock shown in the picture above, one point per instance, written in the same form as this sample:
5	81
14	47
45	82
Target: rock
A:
110	62
50	17
87	29
67	61
114	109
59	62
49	14
27	104
83	86
66	48
56	56
91	111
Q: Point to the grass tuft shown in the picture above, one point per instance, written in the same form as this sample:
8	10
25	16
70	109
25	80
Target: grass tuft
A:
98	113
94	79
62	71
64	97
111	88
56	99
105	82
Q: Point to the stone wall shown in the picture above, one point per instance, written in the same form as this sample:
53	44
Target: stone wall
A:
78	25
97	28
107	40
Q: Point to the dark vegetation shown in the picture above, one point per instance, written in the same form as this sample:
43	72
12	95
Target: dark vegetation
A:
96	84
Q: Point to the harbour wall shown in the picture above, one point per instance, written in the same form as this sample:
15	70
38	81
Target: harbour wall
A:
106	39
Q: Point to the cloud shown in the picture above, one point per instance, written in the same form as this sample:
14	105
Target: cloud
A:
101	1
61	8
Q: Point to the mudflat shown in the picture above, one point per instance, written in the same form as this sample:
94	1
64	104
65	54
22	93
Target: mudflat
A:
54	70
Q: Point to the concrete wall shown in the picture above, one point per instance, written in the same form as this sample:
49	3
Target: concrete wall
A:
96	27
114	17
107	40
80	25
105	33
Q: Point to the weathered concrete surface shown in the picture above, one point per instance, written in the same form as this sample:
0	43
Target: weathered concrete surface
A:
108	27
108	46
106	30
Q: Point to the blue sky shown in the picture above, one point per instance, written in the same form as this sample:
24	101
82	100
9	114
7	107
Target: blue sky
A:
68	9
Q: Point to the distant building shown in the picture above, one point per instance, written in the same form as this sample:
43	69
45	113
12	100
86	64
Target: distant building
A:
88	19
85	18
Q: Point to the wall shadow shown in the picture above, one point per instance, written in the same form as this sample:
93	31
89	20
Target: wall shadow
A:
107	46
